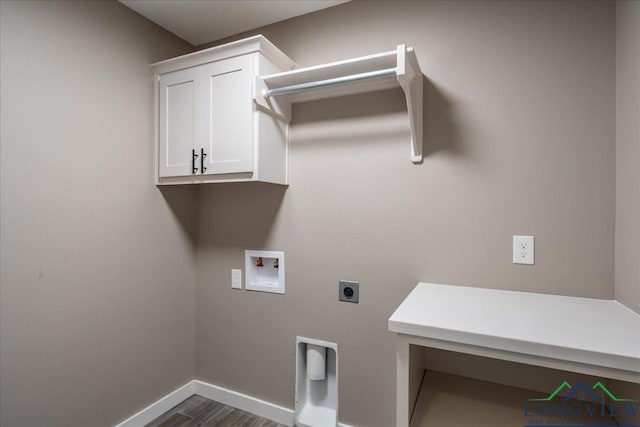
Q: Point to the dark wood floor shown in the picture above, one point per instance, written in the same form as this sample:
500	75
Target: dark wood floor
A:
198	411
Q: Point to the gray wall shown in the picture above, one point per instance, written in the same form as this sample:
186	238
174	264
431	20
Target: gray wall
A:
627	266
519	139
97	267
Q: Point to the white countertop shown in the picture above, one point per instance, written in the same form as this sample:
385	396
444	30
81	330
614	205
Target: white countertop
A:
601	333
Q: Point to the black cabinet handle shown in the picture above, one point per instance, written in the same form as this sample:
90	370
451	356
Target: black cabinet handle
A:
203	168
194	156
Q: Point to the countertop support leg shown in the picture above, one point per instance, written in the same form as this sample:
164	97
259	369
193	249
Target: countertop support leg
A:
402	383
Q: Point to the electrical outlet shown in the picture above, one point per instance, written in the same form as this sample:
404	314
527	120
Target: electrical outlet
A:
348	291
236	278
523	249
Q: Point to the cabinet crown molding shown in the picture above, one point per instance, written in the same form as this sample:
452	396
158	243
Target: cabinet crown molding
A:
257	43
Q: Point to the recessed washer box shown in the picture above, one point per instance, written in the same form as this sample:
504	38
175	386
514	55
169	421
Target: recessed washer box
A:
264	271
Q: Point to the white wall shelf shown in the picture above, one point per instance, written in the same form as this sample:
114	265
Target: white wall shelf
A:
357	75
584	335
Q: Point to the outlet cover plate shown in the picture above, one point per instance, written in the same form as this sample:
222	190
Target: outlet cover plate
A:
236	278
523	249
352	296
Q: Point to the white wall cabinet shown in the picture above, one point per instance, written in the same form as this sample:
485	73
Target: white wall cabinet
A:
209	129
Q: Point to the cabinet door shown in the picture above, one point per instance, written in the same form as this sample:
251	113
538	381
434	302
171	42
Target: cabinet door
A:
180	121
228	115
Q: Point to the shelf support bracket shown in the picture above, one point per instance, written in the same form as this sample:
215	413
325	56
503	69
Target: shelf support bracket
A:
410	80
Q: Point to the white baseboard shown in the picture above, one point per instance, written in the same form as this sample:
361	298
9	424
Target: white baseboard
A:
244	402
225	396
158	408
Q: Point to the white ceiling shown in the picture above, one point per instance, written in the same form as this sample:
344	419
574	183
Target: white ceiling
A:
203	21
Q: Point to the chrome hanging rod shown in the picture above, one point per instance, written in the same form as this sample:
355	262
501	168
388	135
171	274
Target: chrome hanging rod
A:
329	82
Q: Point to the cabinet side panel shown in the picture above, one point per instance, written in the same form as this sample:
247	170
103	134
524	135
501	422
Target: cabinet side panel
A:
272	136
272	146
